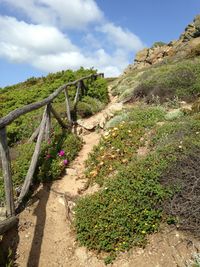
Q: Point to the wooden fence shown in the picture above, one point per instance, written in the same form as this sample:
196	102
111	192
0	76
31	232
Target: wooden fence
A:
42	132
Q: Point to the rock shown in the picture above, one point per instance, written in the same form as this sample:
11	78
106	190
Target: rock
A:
177	49
115	107
102	122
87	125
142	55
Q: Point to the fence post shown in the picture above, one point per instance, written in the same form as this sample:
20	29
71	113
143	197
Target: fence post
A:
6	166
68	106
57	117
34	160
48	123
76	99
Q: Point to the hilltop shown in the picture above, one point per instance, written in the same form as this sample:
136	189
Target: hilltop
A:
187	46
164	72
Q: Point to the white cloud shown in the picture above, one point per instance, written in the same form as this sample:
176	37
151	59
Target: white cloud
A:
42	41
64	13
122	38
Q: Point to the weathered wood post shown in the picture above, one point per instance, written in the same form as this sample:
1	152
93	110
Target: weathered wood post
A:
48	123
57	117
76	99
82	88
6	166
34	159
67	106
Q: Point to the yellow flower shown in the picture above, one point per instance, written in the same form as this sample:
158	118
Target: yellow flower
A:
143	232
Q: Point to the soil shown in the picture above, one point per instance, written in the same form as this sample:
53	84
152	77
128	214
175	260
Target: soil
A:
45	237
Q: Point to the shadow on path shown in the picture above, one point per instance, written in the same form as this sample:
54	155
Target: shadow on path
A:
40	213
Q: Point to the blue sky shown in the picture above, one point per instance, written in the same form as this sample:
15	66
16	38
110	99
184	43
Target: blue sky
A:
42	36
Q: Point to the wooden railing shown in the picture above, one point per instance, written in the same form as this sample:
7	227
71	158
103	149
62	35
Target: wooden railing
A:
42	132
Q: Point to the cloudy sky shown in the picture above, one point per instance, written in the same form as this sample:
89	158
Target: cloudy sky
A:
42	36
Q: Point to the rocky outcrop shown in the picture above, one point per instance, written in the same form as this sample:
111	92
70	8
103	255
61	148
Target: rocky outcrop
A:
187	42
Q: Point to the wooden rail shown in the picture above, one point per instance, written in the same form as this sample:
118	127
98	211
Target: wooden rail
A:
42	132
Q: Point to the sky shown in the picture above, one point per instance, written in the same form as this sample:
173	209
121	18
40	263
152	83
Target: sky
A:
42	36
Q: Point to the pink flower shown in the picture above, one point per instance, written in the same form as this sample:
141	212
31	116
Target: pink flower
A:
48	156
65	162
61	153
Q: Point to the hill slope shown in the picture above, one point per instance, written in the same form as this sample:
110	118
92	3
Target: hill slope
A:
164	72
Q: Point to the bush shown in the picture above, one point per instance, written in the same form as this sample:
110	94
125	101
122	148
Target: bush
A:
89	106
158	44
36	89
173	115
50	165
168	81
124	212
120	143
139	194
98	90
175	80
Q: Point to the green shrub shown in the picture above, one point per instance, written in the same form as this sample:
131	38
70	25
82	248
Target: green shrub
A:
98	90
168	81
120	143
124	212
50	165
84	110
88	106
116	120
158	44
172	115
36	89
139	194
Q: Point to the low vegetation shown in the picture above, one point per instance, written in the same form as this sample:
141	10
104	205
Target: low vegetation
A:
56	154
51	163
138	190
36	89
161	82
158	44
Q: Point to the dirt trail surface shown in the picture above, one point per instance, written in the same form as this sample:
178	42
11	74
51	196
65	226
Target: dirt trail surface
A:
45	236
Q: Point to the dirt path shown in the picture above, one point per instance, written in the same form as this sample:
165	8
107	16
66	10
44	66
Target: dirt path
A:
45	237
